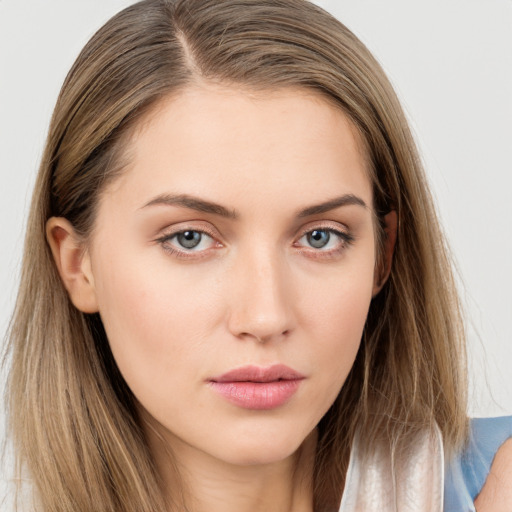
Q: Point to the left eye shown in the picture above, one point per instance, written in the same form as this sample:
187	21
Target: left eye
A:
325	239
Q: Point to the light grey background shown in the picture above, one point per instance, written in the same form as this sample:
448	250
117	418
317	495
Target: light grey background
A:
451	63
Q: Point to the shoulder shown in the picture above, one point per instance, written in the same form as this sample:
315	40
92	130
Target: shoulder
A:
496	494
482	471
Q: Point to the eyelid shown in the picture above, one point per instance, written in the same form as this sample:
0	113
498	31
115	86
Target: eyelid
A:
340	230
332	226
346	238
200	227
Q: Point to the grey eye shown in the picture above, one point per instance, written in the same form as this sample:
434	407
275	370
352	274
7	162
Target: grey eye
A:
189	239
318	238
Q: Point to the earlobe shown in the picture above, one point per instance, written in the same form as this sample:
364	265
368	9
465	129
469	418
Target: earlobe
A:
383	269
73	264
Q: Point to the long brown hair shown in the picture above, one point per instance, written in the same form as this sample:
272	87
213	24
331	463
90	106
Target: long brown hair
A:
72	417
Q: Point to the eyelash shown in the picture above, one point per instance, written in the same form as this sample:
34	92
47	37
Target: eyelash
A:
184	254
345	240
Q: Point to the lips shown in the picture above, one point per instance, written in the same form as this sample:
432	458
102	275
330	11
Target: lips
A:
254	387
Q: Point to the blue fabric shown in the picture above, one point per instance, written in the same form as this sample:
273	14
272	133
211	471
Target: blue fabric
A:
465	474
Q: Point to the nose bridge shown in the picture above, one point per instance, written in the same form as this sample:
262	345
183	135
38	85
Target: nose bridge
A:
261	303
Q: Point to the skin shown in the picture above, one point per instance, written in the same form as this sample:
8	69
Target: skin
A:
176	319
254	291
496	495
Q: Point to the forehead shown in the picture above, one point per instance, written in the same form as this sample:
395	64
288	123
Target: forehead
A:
232	142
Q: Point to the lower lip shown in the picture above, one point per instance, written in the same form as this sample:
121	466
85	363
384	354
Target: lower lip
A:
257	395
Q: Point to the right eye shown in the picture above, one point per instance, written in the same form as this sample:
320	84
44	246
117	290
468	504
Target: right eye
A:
187	241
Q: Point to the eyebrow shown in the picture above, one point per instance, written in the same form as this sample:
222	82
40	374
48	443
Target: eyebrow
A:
332	204
201	205
193	203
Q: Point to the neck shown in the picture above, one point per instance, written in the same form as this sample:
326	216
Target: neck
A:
207	484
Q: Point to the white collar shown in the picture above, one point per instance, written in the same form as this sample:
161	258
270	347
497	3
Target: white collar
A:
383	484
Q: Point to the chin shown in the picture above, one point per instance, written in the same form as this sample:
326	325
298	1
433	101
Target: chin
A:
265	449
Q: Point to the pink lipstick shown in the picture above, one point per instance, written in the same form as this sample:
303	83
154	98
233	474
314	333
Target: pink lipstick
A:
254	387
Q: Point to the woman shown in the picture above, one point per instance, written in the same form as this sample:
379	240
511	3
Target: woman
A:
235	292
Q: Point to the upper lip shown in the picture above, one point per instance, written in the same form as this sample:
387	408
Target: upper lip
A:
259	374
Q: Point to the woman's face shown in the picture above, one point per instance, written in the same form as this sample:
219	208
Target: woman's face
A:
240	237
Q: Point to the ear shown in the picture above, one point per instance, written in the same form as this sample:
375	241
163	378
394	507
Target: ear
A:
383	269
73	263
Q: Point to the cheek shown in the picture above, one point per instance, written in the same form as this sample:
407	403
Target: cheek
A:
337	300
155	319
334	316
157	314
167	328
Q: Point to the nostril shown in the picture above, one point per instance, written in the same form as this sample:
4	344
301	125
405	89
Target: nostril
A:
263	338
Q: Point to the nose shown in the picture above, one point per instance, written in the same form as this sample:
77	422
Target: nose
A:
262	298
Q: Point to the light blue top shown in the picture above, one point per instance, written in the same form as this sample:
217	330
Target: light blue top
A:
466	473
